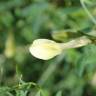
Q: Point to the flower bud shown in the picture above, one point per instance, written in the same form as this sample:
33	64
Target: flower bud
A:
9	46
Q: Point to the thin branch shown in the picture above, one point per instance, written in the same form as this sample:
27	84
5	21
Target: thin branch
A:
87	11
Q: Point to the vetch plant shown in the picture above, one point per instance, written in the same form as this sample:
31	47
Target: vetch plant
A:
46	49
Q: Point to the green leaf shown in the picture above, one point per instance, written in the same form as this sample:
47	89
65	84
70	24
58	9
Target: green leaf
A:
87	61
10	4
38	93
59	93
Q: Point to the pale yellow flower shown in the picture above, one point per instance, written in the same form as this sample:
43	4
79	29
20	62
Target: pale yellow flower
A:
45	49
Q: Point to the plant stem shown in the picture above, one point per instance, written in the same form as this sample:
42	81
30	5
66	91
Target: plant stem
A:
87	11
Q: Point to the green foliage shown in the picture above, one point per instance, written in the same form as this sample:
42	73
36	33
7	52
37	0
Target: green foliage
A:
59	93
71	73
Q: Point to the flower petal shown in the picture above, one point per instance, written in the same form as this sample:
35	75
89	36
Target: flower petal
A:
45	49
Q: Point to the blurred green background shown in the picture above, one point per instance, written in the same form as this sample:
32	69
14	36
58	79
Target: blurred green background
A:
73	73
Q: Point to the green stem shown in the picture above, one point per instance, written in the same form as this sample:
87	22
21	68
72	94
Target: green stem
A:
87	11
